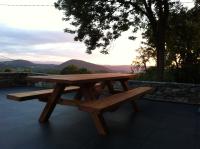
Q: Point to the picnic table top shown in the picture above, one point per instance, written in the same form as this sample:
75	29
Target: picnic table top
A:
81	78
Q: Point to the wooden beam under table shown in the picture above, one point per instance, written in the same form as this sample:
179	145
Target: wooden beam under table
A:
87	91
99	123
51	103
125	87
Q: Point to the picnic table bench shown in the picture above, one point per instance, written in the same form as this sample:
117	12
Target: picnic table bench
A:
29	95
87	87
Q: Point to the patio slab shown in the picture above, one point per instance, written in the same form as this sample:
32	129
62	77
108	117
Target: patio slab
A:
159	125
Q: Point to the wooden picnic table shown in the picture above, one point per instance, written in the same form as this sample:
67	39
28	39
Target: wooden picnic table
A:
86	82
88	88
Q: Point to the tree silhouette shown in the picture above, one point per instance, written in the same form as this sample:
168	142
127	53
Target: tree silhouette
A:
98	22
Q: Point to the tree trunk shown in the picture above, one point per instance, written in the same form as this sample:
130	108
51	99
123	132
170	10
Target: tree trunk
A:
160	48
145	66
159	27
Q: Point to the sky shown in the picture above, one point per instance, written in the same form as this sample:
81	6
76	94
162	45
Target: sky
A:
35	33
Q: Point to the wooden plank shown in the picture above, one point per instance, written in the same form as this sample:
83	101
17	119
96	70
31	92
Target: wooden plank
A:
113	100
99	123
88	91
35	94
124	84
69	102
135	106
82	78
74	102
51	103
110	87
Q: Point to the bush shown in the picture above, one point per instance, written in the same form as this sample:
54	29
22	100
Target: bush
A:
187	74
72	69
8	70
149	75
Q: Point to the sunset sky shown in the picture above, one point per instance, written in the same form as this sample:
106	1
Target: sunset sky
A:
35	33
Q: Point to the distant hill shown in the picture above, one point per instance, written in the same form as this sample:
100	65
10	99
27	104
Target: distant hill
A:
19	63
25	64
84	64
46	68
119	68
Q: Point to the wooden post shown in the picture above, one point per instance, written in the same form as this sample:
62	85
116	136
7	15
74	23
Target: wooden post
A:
88	91
99	123
78	95
125	87
124	84
51	103
110	87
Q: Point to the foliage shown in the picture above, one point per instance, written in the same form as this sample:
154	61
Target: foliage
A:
99	22
150	75
51	71
186	75
182	45
8	70
145	55
83	71
183	42
72	69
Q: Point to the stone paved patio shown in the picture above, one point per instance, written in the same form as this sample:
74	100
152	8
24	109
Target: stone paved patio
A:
159	125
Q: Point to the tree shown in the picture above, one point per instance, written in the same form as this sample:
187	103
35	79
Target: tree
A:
84	71
145	54
182	43
8	70
98	22
184	50
72	69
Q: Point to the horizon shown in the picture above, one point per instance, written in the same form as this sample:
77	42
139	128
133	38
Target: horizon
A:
35	33
58	63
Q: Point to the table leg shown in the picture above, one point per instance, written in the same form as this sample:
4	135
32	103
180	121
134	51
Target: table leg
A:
88	91
125	87
78	95
99	87
99	123
124	84
46	113
110	87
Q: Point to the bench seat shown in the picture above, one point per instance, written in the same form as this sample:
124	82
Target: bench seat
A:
97	107
36	94
113	100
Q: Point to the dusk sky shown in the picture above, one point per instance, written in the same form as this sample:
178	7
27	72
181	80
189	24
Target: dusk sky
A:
35	33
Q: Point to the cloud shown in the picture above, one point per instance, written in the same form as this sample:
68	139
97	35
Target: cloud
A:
56	46
23	41
15	36
39	45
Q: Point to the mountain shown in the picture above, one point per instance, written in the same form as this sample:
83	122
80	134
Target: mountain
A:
84	64
18	63
46	68
25	64
119	68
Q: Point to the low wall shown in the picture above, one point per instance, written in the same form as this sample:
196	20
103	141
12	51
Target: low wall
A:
170	91
9	79
164	91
